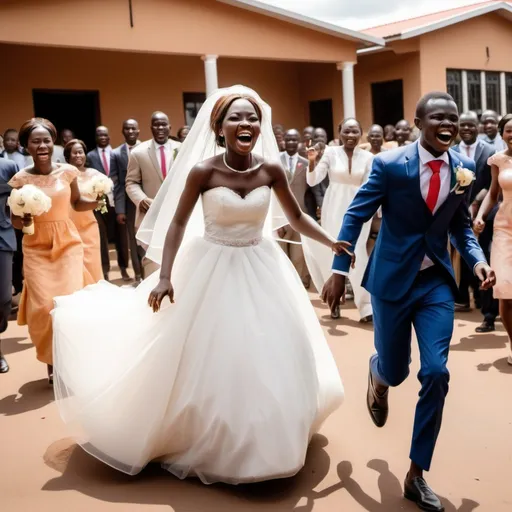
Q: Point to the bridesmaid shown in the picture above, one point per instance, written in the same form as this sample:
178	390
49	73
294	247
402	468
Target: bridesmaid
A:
53	255
501	255
75	154
347	167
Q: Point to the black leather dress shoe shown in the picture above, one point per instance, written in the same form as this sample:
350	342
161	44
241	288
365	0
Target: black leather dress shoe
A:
420	493
377	403
4	367
486	327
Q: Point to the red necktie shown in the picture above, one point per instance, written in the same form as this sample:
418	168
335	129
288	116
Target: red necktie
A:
105	163
435	184
163	164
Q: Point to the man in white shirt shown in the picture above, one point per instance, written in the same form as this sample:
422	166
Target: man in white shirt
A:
424	200
110	231
148	166
490	120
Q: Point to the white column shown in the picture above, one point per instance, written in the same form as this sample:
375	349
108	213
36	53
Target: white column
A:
210	73
349	95
483	90
503	93
465	93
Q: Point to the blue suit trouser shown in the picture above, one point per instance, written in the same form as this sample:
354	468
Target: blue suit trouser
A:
429	308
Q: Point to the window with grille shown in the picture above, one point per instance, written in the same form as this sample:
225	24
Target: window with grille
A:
474	91
454	86
492	90
192	102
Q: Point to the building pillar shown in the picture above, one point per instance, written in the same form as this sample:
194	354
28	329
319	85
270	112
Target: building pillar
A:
503	93
465	93
210	73
349	96
483	91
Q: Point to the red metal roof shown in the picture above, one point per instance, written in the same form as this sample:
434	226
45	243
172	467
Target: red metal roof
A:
399	27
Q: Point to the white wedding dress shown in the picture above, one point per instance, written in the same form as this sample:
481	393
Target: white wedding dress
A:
227	384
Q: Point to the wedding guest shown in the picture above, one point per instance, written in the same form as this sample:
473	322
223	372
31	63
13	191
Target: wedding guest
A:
501	257
58	150
148	166
375	138
403	133
99	159
307	135
389	133
296	169
480	152
279	135
11	148
125	208
75	154
53	255
490	120
7	248
348	168
182	133
320	135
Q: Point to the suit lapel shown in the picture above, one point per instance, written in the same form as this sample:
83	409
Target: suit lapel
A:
154	160
452	196
478	152
412	167
299	171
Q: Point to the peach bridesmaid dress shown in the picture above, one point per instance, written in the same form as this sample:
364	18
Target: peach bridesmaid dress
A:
53	257
89	232
501	254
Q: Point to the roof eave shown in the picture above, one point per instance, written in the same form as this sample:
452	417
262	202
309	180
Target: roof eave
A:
306	22
447	22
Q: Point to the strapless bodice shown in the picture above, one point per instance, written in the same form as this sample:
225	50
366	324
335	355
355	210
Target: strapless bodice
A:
233	220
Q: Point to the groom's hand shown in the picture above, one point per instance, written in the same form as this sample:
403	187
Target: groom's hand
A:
333	292
486	275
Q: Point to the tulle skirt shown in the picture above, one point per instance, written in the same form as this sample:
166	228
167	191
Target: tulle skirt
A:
228	384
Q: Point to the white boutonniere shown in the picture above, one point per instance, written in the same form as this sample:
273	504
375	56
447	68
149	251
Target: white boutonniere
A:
463	178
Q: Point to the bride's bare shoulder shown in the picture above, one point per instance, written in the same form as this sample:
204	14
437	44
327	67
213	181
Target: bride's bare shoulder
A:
274	168
202	171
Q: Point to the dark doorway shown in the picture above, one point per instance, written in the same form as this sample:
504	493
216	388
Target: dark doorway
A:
77	110
388	102
320	116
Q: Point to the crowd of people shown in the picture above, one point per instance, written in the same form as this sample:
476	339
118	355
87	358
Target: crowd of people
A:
333	183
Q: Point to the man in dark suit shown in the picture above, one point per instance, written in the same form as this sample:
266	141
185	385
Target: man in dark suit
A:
99	159
125	209
478	151
296	169
8	169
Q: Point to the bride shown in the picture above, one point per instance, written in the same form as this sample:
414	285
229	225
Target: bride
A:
230	381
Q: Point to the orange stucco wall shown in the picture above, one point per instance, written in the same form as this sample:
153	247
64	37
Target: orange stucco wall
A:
135	85
463	46
383	67
188	27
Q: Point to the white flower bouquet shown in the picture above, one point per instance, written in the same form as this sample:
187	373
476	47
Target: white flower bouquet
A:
30	201
99	187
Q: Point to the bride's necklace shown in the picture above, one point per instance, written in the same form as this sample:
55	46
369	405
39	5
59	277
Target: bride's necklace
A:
238	171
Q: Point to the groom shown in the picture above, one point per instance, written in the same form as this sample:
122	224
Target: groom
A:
409	274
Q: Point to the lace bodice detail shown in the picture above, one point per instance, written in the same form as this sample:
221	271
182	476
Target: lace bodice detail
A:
233	220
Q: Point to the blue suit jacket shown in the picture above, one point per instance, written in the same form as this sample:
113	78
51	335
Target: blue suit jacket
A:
408	230
8	169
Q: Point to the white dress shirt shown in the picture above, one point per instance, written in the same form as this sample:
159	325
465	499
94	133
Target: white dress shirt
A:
168	154
291	162
470	150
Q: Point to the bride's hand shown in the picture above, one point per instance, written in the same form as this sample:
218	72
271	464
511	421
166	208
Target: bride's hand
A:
340	247
163	288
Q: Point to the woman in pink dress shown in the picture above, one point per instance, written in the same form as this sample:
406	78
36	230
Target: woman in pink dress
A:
501	255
